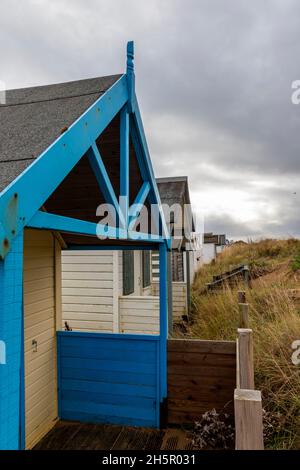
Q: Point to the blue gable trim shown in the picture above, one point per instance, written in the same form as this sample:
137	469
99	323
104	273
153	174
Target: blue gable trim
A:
21	200
33	187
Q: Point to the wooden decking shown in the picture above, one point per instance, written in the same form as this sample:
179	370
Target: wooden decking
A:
79	436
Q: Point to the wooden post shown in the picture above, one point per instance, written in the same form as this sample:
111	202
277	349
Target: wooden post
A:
243	315
246	363
246	276
248	420
237	364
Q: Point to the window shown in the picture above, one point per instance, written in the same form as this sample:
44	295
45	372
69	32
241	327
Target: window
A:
128	272
146	269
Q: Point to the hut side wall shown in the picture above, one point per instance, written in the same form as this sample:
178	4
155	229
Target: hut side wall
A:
11	285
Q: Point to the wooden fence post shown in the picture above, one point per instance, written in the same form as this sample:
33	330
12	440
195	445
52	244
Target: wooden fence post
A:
246	276
248	420
246	363
243	315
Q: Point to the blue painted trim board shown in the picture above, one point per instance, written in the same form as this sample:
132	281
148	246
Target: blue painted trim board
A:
111	336
47	221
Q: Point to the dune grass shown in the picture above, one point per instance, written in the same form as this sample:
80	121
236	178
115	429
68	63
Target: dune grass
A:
274	318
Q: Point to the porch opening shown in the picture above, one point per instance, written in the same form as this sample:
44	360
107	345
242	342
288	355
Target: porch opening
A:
93	350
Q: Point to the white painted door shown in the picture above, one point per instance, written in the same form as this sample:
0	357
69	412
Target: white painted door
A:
39	335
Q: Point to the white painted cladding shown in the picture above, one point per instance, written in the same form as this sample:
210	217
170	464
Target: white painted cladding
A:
92	300
89	290
39	335
139	314
179	298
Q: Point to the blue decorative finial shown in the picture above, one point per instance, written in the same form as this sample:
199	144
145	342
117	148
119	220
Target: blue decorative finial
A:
130	75
130	57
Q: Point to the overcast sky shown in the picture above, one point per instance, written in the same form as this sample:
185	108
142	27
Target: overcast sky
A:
214	85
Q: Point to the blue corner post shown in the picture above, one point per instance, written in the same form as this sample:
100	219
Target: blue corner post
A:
11	337
163	304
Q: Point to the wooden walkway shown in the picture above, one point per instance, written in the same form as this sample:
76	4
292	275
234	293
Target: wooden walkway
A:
79	436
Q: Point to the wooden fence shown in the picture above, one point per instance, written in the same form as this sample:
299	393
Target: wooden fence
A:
201	376
230	278
247	400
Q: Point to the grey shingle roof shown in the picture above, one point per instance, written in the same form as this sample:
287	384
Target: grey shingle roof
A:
33	118
173	190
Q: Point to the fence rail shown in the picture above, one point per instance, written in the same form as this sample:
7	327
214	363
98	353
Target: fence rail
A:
230	278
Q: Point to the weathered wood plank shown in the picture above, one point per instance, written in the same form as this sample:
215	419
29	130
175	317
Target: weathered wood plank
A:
204	346
79	436
193	358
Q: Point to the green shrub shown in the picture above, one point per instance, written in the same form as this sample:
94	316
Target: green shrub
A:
296	262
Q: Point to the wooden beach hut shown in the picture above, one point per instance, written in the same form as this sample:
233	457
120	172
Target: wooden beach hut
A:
65	149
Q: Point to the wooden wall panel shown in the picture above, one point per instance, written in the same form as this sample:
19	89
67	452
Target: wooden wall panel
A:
39	325
201	376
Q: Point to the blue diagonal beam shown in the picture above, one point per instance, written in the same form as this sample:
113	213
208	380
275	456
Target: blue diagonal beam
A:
138	202
137	120
104	182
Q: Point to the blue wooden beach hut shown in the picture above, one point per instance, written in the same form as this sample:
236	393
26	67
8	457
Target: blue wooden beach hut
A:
64	150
